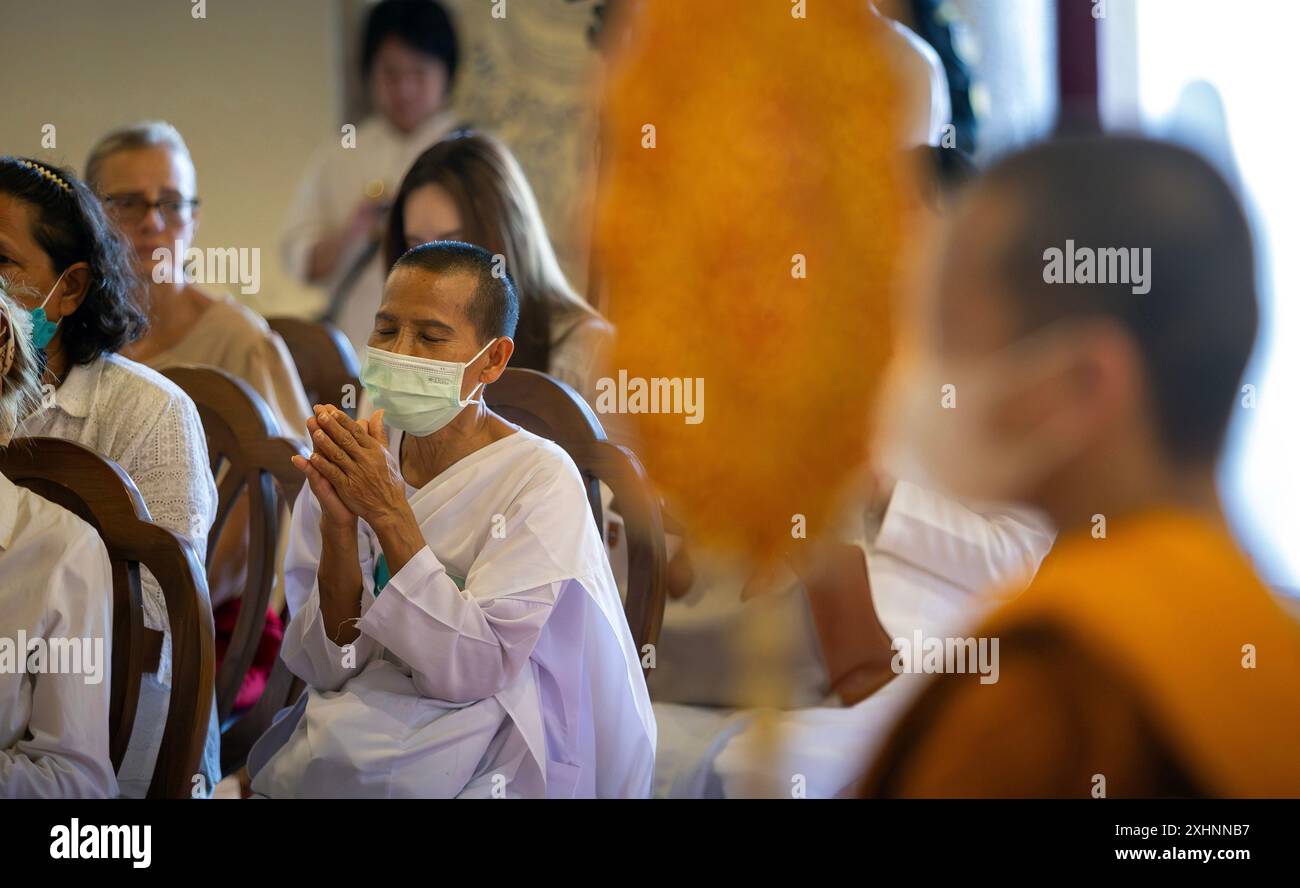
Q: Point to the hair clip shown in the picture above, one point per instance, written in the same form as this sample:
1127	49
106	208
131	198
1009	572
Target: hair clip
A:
47	173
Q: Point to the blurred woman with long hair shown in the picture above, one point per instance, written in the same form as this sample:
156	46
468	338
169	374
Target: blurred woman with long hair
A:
469	187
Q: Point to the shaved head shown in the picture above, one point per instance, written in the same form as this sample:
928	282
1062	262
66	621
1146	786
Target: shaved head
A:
1194	319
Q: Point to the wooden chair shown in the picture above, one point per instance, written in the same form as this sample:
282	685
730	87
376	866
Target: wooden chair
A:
549	408
248	458
325	360
96	490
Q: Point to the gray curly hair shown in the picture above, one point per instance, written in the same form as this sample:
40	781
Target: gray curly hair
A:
20	384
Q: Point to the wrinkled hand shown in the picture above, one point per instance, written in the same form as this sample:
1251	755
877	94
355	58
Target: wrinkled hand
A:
334	515
352	457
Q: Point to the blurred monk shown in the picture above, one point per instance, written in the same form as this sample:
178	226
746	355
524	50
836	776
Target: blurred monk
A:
1094	311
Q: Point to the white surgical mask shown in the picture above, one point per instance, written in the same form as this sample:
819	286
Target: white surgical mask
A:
418	395
937	421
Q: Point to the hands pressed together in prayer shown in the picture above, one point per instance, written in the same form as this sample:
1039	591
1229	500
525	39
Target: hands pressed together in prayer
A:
351	476
348	469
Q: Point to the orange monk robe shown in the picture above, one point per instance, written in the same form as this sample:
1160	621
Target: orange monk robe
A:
1154	659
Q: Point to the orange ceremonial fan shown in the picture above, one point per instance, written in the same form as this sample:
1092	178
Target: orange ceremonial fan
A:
748	228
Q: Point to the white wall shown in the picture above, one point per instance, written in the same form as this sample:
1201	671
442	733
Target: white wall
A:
1012	52
253	88
1152	52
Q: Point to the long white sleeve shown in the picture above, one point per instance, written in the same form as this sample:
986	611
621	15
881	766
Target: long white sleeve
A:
65	751
306	648
461	647
310	654
974	548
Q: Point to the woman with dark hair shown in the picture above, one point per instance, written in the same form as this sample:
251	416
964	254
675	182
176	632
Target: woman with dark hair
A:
67	265
469	187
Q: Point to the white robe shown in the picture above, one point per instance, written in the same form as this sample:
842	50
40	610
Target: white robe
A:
524	684
932	564
56	583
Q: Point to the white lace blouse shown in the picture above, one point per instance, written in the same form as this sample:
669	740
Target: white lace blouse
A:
148	426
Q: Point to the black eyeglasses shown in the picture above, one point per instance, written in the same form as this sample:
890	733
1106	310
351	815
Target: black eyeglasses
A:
131	208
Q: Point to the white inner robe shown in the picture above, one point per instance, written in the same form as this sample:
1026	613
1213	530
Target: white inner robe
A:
526	683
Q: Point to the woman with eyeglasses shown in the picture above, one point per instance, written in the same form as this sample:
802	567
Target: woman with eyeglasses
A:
64	263
146	179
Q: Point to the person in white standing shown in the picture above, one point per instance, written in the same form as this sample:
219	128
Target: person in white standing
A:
409	54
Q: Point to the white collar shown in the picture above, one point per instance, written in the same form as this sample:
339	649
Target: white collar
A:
77	394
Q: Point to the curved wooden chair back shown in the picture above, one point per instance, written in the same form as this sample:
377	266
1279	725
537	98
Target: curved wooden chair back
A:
550	409
97	491
325	360
248	457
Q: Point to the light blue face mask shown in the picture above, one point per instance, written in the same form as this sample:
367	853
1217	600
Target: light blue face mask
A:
418	395
42	327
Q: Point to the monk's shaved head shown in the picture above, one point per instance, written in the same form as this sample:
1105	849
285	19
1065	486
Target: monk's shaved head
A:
1173	232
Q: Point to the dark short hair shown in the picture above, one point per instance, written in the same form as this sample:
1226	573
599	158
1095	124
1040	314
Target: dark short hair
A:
494	307
1195	329
69	225
423	25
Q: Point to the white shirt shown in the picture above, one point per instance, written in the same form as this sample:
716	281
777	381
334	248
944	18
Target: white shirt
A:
934	565
140	420
496	661
55	584
336	180
143	422
937	564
